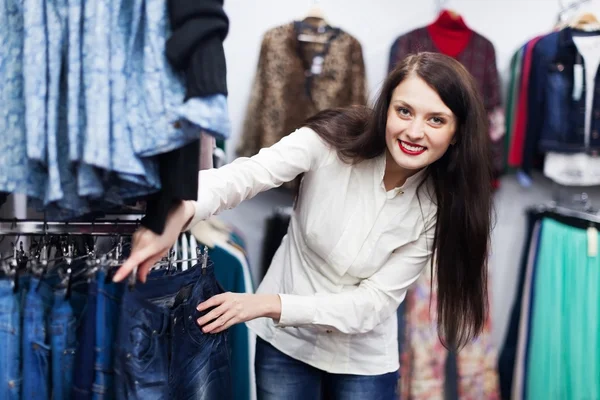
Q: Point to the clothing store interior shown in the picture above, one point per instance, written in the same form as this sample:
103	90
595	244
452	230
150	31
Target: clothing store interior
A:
209	84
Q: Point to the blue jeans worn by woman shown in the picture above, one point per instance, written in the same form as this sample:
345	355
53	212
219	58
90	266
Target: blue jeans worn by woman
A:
279	376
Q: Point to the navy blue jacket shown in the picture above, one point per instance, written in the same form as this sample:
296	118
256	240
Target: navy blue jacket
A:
555	121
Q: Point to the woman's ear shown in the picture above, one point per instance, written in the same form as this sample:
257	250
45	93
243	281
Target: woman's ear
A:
453	141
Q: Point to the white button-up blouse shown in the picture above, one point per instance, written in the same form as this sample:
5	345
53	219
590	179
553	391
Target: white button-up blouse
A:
351	251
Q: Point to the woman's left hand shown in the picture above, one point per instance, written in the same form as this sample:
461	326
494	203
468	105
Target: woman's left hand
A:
233	308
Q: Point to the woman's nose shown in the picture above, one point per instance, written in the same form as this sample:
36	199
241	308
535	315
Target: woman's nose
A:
416	130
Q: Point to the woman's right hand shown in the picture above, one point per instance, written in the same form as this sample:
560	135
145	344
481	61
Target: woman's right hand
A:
148	247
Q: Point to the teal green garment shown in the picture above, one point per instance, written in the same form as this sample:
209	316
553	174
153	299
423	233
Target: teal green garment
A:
238	239
230	274
564	347
512	104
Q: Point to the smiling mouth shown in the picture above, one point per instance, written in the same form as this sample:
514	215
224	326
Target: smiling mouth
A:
410	148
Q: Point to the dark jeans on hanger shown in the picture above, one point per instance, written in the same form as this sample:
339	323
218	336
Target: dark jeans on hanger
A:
35	341
10	347
64	317
162	353
83	376
107	311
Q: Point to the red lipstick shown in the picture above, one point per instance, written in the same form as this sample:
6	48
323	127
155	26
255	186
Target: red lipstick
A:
414	151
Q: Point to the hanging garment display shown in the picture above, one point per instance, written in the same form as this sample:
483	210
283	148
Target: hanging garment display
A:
85	129
71	333
423	359
563	77
557	71
301	70
549	354
450	35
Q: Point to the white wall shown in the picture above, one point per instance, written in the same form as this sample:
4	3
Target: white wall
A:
376	23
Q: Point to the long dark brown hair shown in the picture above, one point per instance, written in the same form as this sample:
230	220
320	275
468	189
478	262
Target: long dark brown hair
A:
461	181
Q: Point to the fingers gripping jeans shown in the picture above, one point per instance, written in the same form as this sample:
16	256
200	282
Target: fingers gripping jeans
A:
162	353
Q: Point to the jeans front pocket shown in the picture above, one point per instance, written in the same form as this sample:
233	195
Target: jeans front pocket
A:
141	361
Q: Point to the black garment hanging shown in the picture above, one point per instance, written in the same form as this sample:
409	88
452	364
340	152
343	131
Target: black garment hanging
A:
196	48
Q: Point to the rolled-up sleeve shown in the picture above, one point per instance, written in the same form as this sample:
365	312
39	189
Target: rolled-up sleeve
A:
374	300
226	187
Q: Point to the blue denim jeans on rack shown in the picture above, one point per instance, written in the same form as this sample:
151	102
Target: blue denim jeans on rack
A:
107	309
279	376
83	376
35	341
162	353
62	340
10	336
64	320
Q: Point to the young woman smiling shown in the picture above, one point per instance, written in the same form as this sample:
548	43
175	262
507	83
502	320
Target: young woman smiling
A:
384	192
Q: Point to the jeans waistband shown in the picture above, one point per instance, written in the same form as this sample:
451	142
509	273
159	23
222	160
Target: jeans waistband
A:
41	289
203	281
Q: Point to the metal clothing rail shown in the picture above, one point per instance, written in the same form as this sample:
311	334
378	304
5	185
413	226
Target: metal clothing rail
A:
567	212
103	227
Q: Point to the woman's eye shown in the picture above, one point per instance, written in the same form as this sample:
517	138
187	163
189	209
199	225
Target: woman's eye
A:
403	111
437	120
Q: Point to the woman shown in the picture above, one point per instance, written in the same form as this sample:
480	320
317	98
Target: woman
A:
383	191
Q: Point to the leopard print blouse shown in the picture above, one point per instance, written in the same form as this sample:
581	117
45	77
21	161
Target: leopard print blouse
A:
285	92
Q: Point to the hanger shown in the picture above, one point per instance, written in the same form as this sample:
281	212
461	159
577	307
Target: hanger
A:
315	14
586	22
442	7
219	225
315	20
206	234
184	250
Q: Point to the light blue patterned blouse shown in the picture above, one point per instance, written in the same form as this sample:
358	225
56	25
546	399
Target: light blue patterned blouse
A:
88	99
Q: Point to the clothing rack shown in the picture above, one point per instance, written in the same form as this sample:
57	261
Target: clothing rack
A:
104	227
566	212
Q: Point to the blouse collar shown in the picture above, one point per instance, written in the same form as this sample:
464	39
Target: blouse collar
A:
411	182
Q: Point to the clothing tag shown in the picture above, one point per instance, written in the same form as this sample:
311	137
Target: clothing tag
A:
592	238
523	179
577	81
317	65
